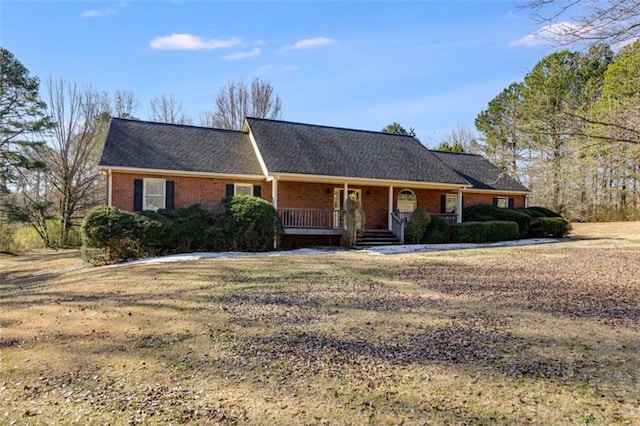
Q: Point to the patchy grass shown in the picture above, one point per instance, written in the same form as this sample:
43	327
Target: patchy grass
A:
543	334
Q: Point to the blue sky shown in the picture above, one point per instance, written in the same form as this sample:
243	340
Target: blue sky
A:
430	65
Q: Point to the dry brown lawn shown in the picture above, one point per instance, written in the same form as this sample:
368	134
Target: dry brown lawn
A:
546	334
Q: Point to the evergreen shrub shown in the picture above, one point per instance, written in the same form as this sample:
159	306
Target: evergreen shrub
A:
480	232
437	231
417	225
485	212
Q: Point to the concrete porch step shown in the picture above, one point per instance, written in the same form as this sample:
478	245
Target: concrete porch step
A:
376	237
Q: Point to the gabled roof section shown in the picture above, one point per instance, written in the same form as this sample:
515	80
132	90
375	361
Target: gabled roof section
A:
308	149
479	171
161	146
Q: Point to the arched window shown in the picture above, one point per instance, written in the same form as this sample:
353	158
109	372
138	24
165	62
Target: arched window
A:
407	201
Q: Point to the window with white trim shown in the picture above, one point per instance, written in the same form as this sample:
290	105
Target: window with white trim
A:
502	202
242	189
407	201
450	204
153	195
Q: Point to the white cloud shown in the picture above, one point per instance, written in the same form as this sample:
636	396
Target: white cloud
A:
270	68
312	42
561	32
241	55
263	69
94	13
191	42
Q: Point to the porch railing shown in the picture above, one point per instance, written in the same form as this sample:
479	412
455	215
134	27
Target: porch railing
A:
451	218
397	225
311	218
399	222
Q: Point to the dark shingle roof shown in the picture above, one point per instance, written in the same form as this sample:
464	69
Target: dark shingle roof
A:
148	145
319	150
480	172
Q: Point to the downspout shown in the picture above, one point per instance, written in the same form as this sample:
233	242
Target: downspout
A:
459	207
390	207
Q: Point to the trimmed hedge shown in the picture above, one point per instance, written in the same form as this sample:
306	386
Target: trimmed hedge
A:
437	231
251	224
554	227
544	212
242	223
485	212
183	230
480	232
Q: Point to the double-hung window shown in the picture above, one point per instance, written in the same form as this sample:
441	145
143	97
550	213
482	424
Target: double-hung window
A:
154	195
451	201
242	189
501	202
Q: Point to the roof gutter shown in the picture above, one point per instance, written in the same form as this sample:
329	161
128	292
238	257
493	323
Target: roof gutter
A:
295	177
493	191
180	173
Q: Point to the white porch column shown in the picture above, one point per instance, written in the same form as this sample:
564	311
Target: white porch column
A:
390	207
526	201
274	193
345	195
274	203
109	188
459	207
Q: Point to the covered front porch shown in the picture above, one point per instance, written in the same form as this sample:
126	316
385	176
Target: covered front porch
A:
317	208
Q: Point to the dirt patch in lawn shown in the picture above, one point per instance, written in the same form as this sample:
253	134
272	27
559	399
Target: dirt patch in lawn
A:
541	334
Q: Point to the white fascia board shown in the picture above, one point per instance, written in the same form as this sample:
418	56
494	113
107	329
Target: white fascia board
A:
181	173
293	177
495	191
263	166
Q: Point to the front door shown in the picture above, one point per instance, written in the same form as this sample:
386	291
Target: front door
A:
338	205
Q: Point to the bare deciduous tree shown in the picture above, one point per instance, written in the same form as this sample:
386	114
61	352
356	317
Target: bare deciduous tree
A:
237	101
600	21
462	137
73	149
125	104
167	109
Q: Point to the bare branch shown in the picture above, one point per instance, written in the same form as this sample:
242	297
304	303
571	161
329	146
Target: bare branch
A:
167	109
237	101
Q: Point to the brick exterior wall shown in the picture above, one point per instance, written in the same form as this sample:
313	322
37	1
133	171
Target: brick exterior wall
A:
210	191
296	195
471	199
188	190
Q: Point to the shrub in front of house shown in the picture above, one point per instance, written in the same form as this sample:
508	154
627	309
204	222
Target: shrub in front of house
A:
485	212
437	231
546	223
250	224
416	227
110	234
502	230
554	227
481	232
544	212
183	230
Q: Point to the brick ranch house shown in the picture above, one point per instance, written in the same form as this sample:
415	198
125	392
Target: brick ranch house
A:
305	171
